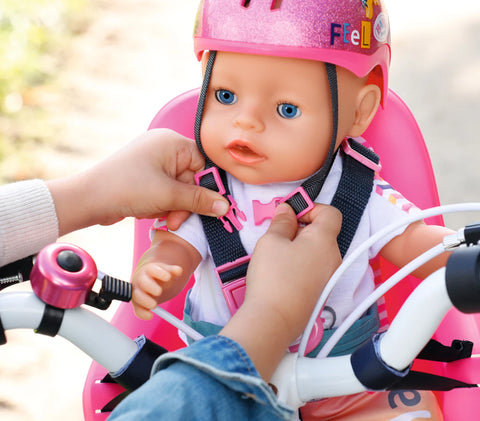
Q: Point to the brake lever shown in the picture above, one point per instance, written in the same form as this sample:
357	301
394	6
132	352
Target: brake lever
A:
112	289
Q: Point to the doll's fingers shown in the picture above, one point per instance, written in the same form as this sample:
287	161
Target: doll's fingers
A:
163	272
174	270
148	285
142	299
142	313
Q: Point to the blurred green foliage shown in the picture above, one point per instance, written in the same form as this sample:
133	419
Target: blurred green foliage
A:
34	39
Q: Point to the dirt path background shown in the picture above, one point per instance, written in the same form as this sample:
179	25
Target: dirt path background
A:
136	55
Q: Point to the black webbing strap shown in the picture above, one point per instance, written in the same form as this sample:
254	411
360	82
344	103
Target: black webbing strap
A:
436	351
353	193
113	403
416	380
374	374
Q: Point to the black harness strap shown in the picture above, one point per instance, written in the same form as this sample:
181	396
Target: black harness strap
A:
353	193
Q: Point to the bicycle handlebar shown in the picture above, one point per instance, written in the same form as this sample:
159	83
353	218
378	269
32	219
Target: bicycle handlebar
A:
320	378
89	332
298	379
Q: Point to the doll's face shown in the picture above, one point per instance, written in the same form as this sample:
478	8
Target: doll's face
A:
267	119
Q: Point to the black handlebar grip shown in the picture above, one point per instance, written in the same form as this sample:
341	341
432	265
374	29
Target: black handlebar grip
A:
462	279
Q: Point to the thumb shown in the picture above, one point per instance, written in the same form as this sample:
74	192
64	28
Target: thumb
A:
284	222
198	199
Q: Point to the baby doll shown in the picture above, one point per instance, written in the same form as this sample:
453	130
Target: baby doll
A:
287	85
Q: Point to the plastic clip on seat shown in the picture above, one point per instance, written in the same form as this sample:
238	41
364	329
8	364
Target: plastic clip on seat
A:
347	148
233	287
211	179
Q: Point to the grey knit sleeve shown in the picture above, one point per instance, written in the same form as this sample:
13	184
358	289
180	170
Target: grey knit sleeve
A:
28	220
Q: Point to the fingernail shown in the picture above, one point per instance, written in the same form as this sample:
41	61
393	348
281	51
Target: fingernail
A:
220	207
281	208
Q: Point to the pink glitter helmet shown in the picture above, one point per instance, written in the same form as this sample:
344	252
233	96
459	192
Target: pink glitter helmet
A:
354	34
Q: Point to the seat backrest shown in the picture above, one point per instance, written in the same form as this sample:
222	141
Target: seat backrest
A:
395	136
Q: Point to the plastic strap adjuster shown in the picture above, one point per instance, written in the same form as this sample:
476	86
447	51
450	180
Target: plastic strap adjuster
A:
347	148
233	282
300	201
211	179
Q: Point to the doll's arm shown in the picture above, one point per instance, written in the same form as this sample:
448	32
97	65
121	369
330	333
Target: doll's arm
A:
162	272
416	239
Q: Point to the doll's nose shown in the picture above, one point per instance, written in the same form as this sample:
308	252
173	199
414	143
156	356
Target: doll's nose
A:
249	119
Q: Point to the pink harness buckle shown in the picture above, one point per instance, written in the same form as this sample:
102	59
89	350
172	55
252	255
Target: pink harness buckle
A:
233	291
263	211
234	214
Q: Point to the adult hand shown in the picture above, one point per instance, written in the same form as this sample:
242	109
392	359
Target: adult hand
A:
151	177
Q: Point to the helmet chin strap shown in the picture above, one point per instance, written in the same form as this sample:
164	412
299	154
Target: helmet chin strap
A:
313	185
201	106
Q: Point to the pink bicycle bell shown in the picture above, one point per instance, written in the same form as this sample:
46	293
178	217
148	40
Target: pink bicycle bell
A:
63	275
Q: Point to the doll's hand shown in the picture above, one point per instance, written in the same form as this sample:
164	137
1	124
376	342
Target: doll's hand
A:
149	282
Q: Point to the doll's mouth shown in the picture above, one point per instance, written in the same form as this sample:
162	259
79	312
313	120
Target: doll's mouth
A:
243	152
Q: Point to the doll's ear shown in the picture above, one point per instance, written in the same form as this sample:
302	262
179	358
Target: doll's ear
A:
367	103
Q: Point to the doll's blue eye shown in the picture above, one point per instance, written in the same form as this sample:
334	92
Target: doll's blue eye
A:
225	96
288	111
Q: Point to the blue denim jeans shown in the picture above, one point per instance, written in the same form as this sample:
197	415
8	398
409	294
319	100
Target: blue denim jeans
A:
213	379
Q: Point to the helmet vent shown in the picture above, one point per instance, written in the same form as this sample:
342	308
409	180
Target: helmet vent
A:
276	4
